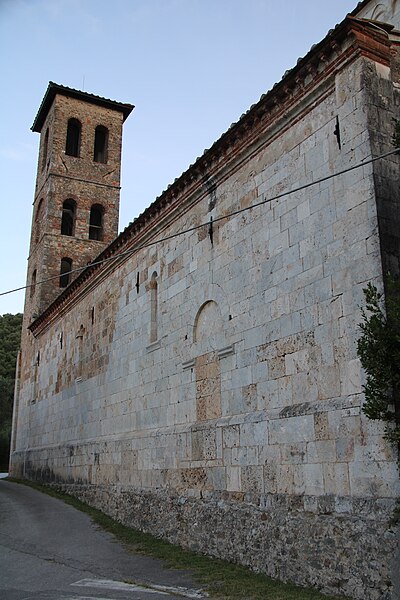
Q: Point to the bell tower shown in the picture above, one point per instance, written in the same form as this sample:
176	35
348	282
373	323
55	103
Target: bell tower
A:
76	204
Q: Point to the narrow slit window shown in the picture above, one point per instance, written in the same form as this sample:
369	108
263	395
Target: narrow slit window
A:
33	283
153	307
100	144
45	148
65	275
79	358
73	142
38	220
96	223
68	217
336	133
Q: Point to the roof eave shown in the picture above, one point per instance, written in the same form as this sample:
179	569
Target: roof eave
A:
54	88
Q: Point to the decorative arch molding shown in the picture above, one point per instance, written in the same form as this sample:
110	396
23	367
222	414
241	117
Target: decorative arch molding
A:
383	12
211	292
208	319
379	13
207	329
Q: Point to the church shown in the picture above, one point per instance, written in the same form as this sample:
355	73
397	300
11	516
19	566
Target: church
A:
196	376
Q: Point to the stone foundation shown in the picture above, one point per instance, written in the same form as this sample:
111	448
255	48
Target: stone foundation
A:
339	545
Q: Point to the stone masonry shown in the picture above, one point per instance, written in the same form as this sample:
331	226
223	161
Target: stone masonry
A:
63	177
205	386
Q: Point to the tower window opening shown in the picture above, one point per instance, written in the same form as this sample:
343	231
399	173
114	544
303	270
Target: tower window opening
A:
38	220
96	223
65	274
100	144
73	142
68	217
45	147
33	283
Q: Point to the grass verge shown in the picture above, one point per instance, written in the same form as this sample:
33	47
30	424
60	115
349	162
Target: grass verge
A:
221	579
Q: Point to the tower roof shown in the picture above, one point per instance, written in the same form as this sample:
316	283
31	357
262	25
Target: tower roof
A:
55	88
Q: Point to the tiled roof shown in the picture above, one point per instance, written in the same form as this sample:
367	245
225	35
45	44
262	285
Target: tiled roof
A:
55	88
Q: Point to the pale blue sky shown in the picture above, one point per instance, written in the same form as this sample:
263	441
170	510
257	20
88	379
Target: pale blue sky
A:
191	67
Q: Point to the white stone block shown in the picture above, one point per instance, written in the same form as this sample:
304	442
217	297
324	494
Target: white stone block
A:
254	434
233	479
350	377
323	451
373	478
297	362
294	429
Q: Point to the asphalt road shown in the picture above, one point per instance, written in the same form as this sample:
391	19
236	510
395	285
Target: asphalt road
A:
51	551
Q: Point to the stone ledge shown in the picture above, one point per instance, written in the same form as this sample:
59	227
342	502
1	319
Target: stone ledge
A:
153	346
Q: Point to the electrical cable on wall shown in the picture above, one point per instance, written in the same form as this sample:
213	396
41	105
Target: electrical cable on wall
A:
209	223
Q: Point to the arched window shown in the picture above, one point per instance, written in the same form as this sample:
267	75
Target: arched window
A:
153	307
96	222
100	144
38	220
68	217
45	147
33	283
65	275
73	143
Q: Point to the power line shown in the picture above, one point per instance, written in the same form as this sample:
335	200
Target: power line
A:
207	224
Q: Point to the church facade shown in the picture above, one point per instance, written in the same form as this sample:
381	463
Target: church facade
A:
196	376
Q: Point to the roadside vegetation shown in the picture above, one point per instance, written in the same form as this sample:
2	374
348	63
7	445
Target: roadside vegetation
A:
378	349
219	578
10	335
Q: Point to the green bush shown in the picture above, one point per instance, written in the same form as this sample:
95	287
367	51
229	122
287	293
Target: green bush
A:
10	334
379	351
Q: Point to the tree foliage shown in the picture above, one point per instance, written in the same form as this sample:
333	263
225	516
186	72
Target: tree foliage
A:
10	334
379	351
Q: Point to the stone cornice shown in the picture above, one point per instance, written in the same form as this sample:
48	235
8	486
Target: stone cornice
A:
349	40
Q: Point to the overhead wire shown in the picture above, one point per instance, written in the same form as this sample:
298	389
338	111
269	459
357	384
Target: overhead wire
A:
212	220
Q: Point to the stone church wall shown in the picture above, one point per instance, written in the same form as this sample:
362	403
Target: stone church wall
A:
209	391
387	11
